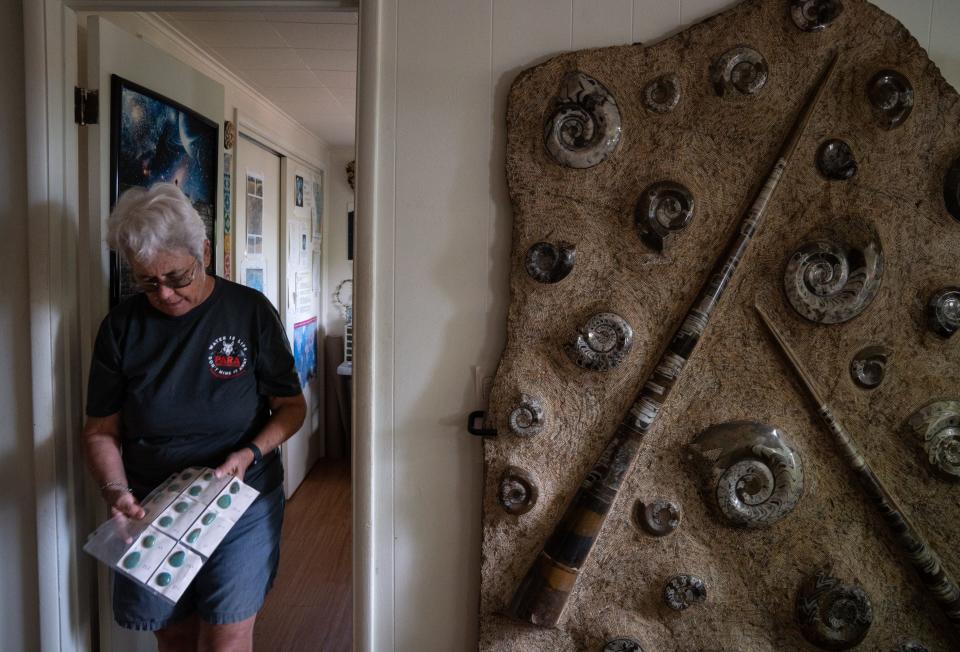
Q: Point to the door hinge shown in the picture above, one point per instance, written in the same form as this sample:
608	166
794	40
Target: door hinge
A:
86	106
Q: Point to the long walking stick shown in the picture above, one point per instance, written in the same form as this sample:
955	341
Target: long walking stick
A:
543	593
922	557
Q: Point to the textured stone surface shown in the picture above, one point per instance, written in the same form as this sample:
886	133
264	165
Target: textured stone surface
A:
721	149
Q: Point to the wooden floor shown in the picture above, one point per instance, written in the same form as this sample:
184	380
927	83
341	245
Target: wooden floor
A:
310	606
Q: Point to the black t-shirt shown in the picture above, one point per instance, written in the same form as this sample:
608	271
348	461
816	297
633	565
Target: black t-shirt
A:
191	389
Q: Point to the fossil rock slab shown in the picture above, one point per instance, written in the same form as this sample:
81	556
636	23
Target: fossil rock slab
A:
719	148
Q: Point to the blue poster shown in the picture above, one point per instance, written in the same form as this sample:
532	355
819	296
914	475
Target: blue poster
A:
305	349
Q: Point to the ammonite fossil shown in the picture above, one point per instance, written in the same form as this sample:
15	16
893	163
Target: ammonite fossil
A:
740	71
829	282
869	366
662	94
943	311
891	97
518	491
623	644
663	208
529	417
753	478
912	645
815	15
835	160
937	425
684	591
951	189
831	615
602	343
584	126
658	517
550	263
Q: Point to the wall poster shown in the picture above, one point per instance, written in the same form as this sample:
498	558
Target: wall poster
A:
154	139
305	348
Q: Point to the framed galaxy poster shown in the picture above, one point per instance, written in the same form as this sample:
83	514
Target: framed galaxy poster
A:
154	139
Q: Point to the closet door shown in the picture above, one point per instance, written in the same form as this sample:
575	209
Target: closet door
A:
258	218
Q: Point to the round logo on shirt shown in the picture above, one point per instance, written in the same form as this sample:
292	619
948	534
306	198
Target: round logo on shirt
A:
227	356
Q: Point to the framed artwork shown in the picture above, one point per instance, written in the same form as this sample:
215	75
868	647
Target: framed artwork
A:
154	139
298	197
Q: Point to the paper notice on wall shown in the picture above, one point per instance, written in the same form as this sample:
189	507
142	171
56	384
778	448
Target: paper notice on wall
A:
303	293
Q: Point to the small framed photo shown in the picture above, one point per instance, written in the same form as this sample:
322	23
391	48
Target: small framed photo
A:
298	198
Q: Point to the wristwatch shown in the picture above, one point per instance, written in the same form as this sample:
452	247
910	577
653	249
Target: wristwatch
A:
257	455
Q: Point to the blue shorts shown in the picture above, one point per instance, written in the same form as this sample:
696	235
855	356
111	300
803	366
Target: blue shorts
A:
230	587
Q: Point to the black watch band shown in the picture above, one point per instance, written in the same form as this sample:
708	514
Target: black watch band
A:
257	455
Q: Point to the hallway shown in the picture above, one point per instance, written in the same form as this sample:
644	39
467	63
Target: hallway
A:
310	606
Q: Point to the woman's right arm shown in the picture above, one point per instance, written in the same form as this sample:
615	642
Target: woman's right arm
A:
101	445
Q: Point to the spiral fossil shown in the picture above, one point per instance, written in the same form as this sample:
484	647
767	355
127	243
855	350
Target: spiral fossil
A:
740	71
623	644
518	491
951	189
943	311
891	96
602	343
831	615
829	283
912	645
529	417
684	591
658	517
869	366
662	94
550	263
749	473
584	127
937	425
663	209
815	15
835	160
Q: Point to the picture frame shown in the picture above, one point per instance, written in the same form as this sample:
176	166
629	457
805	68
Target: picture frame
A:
155	139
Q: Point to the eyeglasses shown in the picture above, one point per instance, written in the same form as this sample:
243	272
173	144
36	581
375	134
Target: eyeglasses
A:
174	281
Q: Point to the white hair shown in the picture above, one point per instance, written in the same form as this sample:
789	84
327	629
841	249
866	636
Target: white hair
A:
146	221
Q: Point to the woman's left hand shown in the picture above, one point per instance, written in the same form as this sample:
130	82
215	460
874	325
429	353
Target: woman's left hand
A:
236	464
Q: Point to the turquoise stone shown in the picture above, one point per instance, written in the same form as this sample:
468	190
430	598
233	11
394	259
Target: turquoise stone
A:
149	540
176	559
193	536
174	488
181	507
208	476
185	476
165	521
163	579
195	490
131	560
235	488
223	502
208	518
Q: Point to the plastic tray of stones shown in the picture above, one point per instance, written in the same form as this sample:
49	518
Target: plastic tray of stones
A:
187	517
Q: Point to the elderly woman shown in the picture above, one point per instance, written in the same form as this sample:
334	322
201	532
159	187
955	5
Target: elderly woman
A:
194	371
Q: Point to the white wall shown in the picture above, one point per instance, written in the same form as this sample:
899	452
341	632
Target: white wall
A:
339	195
439	228
19	618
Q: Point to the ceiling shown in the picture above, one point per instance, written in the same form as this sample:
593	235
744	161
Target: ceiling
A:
305	62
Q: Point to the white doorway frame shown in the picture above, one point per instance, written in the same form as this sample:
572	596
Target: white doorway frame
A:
58	324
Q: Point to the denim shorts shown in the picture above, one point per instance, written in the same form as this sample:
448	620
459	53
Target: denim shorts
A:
230	587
